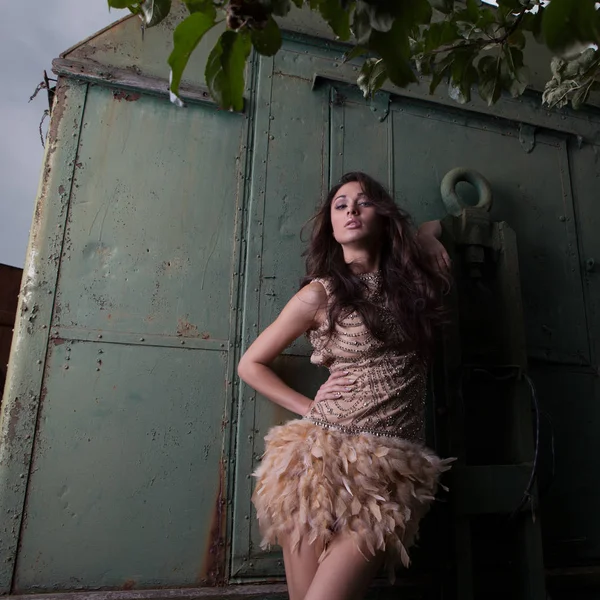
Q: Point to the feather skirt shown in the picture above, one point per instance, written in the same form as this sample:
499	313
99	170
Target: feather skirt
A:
315	483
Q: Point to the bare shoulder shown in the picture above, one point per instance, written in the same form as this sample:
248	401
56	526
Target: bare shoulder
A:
313	294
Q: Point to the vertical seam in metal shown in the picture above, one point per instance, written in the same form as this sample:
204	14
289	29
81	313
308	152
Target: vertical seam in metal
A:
390	143
240	303
49	338
566	152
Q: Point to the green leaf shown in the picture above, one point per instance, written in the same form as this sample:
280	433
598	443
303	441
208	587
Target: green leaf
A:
490	87
372	76
515	75
439	70
533	22
376	14
462	75
415	11
154	11
336	16
517	39
225	69
440	34
267	41
121	3
487	18
394	48
355	53
279	8
204	6
186	37
472	10
361	23
567	23
581	95
444	6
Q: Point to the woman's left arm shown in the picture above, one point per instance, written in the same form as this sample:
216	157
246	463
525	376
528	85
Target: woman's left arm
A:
428	237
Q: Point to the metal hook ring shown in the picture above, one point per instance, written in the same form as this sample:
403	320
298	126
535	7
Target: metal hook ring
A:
452	201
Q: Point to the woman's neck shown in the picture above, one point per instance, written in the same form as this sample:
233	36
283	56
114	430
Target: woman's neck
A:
361	262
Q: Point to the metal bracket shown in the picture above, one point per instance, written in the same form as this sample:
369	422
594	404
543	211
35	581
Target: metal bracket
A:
379	104
527	137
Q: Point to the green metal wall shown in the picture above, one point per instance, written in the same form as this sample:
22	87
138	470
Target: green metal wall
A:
165	239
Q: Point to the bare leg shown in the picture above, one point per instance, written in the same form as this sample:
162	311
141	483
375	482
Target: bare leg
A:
300	568
345	573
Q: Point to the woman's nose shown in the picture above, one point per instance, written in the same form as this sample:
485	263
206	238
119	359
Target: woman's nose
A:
352	210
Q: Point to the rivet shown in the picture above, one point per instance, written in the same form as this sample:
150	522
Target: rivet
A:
141	339
66	367
100	337
182	342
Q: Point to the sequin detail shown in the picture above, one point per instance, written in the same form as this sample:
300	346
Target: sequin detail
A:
388	396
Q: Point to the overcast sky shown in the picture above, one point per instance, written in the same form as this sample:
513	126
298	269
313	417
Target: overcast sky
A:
32	33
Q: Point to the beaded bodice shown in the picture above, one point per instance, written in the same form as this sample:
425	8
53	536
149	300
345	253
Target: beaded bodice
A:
388	396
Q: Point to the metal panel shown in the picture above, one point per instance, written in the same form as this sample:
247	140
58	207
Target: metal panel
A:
571	498
127	477
24	377
361	134
531	191
585	176
151	221
289	176
131	447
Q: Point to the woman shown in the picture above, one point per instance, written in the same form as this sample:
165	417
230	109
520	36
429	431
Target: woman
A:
343	489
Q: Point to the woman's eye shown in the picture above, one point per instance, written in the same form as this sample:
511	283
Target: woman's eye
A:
366	203
339	206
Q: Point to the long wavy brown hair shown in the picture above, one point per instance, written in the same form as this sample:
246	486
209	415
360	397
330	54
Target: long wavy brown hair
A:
412	287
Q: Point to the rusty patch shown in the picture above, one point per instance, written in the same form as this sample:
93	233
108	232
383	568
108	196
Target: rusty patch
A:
205	335
58	110
58	341
127	96
187	329
13	420
212	572
129	584
61	189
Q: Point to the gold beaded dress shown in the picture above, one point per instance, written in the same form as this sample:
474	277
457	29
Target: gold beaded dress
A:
356	464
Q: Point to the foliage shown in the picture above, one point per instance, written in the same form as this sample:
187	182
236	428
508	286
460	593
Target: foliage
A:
467	44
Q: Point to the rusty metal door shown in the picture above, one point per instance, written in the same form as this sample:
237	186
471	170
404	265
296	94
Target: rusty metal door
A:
312	125
130	463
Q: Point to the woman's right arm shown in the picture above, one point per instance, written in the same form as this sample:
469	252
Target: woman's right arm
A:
300	314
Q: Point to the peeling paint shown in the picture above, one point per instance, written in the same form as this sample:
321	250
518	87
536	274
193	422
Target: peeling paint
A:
187	329
213	568
127	96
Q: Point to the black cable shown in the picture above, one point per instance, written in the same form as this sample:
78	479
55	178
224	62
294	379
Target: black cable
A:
527	497
543	491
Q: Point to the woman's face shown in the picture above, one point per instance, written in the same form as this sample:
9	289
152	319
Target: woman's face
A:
353	215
